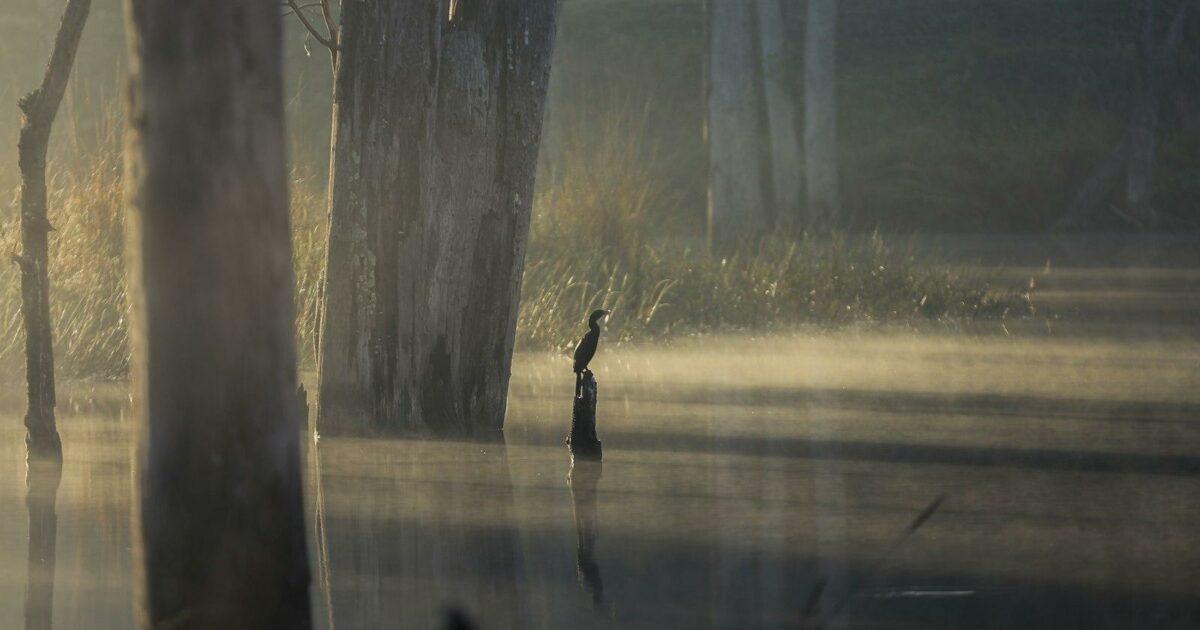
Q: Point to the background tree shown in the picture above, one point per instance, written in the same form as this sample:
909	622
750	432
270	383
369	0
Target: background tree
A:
820	111
219	533
786	174
736	202
39	109
437	118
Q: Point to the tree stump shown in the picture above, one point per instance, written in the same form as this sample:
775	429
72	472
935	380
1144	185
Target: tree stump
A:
582	440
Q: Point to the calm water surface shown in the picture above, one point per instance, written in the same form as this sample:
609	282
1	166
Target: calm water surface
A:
884	479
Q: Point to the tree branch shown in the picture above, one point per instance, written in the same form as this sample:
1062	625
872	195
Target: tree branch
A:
329	41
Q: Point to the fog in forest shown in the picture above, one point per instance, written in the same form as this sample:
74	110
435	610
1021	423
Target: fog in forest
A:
599	314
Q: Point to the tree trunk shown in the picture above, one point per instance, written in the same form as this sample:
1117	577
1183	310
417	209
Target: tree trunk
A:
820	112
436	128
39	108
1138	181
219	537
736	205
781	115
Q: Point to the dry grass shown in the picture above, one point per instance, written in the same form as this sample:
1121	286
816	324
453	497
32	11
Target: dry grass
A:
599	239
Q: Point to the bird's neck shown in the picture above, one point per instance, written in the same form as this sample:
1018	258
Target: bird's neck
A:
595	326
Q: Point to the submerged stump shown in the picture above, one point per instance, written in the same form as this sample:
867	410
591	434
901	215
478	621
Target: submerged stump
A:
583	441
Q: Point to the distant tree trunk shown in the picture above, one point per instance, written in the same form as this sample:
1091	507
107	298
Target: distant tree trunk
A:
436	129
786	175
39	108
820	111
1132	159
219	536
1139	179
736	203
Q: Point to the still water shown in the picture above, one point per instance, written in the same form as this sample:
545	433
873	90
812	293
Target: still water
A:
1041	475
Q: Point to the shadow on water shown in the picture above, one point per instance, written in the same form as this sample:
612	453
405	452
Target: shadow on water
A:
42	481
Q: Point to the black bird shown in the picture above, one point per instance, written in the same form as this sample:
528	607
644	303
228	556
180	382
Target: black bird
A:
586	348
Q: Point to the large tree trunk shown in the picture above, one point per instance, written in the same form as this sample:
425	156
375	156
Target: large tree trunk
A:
219	531
436	128
736	205
39	108
786	176
820	111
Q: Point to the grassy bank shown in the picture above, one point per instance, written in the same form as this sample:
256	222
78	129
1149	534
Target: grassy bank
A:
594	243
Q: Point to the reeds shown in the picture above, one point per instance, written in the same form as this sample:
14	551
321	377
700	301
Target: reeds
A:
602	237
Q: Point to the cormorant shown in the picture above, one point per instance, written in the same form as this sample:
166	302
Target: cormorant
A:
586	348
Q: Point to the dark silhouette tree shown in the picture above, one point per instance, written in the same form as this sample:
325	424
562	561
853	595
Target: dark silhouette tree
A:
39	108
219	530
437	119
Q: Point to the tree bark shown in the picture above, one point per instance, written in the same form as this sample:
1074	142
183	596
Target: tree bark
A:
820	112
39	109
736	203
786	175
219	538
582	440
436	129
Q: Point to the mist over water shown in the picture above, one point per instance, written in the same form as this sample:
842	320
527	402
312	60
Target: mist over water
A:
1041	475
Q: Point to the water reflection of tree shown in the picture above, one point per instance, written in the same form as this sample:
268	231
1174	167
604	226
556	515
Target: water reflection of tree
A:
414	528
42	480
583	479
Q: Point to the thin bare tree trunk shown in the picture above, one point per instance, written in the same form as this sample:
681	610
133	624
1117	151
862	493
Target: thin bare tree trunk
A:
820	111
219	537
736	203
39	109
786	175
436	130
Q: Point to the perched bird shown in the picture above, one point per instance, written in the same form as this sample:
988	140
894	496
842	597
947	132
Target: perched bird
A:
586	348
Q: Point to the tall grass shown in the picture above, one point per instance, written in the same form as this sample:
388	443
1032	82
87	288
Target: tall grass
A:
602	236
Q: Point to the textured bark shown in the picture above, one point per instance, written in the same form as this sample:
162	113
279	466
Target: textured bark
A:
736	203
219	537
786	175
39	109
820	112
42	480
436	128
582	440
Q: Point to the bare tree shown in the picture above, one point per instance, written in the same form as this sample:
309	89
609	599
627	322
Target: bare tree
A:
786	175
736	202
437	118
39	109
219	530
820	111
1131	160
